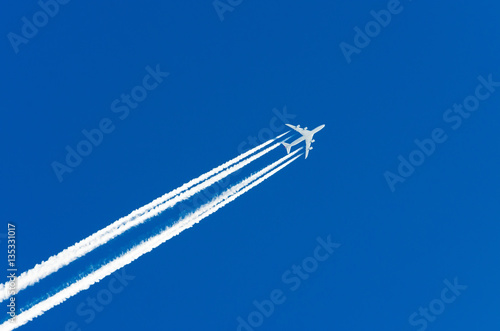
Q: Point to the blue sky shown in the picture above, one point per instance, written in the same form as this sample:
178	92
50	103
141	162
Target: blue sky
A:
231	75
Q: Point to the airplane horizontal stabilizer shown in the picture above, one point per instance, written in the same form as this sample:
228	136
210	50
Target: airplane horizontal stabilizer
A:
288	147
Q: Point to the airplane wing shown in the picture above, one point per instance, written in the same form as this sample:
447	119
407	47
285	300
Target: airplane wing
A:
308	146
296	128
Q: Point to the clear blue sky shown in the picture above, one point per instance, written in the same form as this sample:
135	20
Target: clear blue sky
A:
399	247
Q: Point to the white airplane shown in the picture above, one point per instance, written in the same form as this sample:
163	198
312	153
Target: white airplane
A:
307	135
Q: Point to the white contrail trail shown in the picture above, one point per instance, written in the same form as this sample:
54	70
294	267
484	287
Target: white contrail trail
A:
70	254
149	244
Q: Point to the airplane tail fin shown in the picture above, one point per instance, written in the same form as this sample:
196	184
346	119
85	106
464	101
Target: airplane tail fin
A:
288	147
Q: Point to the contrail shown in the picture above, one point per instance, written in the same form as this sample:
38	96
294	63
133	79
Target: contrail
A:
138	216
149	244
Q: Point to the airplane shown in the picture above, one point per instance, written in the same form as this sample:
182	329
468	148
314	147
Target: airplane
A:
307	135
